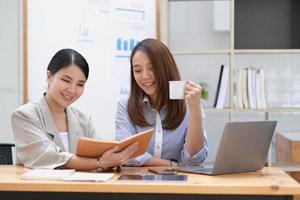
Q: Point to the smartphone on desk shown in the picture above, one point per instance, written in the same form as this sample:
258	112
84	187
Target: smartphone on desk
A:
147	177
163	171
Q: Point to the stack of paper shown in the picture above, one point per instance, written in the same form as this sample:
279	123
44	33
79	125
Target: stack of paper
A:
65	175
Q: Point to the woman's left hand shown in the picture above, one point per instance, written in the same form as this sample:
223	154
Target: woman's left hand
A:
192	95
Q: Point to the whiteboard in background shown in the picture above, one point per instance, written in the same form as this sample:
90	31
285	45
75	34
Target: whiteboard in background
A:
104	32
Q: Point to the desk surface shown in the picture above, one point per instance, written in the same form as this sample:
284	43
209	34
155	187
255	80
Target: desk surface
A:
269	181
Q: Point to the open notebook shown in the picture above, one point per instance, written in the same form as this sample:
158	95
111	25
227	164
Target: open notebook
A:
65	175
90	147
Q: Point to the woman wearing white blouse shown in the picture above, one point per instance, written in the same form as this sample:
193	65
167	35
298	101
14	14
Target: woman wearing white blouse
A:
180	136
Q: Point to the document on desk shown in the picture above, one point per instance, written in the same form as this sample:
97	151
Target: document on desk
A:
65	175
86	176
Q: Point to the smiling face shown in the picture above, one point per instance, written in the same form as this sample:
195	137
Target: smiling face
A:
144	75
65	86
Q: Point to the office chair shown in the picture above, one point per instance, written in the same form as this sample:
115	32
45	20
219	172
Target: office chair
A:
6	154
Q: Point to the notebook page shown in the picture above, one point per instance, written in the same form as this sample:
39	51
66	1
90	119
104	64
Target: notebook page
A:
86	176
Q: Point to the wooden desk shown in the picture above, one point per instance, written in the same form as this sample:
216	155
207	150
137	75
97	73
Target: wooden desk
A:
269	183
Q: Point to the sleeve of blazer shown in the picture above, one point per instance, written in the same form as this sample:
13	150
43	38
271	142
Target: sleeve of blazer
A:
33	148
90	126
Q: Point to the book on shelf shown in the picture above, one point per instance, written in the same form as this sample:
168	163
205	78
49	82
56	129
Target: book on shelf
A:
250	88
245	99
235	94
251	79
64	175
222	87
218	86
261	73
239	88
89	147
253	70
258	90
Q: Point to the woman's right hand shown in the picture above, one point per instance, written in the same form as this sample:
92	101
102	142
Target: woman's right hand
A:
113	158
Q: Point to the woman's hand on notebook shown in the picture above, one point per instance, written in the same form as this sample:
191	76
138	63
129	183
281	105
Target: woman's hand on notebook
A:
112	157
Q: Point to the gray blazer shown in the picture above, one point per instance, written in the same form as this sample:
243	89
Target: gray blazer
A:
38	143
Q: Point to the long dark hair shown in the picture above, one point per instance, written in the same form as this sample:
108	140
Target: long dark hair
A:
66	57
165	70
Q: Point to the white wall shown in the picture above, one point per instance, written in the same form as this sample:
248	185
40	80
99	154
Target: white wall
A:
93	28
11	68
10	65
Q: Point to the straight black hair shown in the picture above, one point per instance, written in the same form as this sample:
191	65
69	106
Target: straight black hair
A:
66	57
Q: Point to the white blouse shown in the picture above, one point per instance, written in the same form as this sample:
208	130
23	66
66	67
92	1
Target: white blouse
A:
65	140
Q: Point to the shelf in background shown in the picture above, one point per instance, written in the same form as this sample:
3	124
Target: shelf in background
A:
274	109
248	110
283	109
257	27
238	51
209	109
266	51
204	52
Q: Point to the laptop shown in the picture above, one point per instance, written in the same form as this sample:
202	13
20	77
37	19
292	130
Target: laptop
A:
243	148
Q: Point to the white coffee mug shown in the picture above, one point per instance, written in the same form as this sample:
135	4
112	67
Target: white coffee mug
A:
176	89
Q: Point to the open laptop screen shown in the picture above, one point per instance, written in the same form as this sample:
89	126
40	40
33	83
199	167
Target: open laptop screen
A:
243	147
